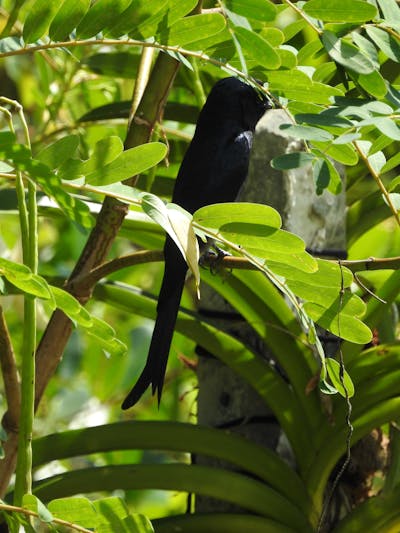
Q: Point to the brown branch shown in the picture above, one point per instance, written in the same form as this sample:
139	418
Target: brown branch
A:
215	262
13	397
10	376
372	263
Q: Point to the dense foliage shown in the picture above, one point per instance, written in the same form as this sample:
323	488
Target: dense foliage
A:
83	90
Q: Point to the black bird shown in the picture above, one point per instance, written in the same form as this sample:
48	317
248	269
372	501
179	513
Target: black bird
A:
212	171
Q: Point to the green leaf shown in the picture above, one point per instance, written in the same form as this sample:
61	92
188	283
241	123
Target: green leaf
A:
114	64
329	274
244	491
333	368
274	36
105	151
34	285
40	14
159	22
193	28
395	199
260	10
20	156
102	14
377	161
255	228
340	10
218	215
388	127
141	18
100	330
218	522
321	175
307	133
11	44
346	138
77	510
361	108
258	48
113	515
105	337
294	28
344	153
169	221
31	502
373	83
392	163
296	85
335	183
347	54
390	10
15	269
384	41
130	163
292	160
21	277
176	437
366	47
71	307
328	119
345	325
68	17
56	153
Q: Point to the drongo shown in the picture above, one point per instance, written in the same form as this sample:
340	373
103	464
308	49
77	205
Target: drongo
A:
212	171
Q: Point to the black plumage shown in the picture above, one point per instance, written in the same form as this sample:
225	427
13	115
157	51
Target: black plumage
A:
212	171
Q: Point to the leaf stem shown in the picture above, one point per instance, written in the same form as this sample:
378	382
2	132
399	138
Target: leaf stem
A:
302	15
378	180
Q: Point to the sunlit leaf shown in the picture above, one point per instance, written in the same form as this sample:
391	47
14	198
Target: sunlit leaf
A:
193	28
343	385
219	215
296	85
130	163
257	9
347	54
390	10
141	16
56	153
340	10
68	17
71	307
335	320
258	48
373	83
183	231
102	14
31	502
40	14
77	510
21	277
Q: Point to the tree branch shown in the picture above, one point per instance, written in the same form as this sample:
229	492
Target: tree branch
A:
10	376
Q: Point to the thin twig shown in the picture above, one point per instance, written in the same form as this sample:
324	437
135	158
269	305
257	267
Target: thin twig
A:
378	180
349	425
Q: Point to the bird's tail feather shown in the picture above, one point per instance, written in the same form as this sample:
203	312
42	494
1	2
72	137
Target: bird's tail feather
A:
167	310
